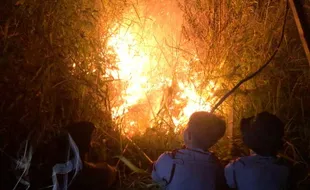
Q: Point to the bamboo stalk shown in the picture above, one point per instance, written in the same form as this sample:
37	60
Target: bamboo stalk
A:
300	30
230	126
144	154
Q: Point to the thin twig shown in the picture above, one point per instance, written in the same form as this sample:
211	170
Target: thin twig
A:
256	72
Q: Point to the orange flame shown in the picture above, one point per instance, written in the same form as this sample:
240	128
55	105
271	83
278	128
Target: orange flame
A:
144	76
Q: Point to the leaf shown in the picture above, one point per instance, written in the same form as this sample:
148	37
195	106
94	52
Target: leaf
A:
130	165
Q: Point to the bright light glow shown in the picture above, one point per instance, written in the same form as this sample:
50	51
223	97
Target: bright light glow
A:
150	78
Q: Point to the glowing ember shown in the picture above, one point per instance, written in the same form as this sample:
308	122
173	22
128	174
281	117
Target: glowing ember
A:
143	77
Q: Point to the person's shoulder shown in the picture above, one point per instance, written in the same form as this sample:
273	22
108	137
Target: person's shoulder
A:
162	166
229	171
167	156
238	162
172	154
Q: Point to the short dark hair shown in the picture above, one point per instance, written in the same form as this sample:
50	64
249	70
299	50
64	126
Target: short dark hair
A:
206	129
263	133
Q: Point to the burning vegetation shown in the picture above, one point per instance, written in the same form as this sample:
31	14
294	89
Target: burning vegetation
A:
139	69
154	80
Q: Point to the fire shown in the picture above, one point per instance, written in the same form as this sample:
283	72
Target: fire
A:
131	69
147	83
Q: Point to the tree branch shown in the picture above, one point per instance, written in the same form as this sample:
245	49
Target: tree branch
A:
256	72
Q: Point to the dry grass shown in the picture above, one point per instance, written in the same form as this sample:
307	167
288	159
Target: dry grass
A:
40	41
236	38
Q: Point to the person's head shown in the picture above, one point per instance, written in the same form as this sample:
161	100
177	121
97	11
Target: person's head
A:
263	133
203	130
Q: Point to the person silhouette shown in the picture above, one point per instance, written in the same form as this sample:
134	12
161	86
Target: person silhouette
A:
193	167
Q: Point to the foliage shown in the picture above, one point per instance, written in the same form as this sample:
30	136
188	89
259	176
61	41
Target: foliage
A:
232	40
54	57
52	61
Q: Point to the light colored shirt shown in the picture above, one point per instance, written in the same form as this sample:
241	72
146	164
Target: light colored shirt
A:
257	173
194	169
